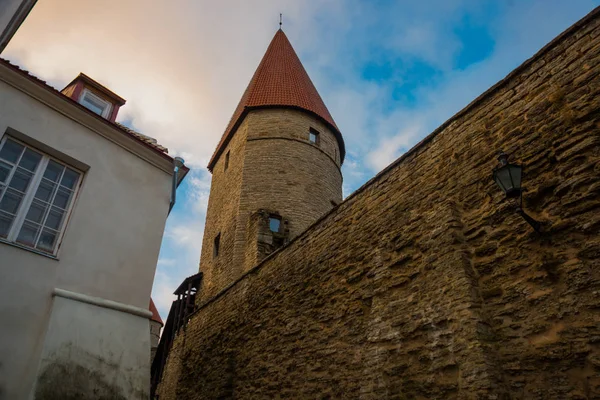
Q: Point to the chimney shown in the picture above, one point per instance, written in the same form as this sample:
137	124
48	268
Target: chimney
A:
94	96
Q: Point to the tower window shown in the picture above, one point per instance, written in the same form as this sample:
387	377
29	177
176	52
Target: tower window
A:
216	245
274	224
226	161
313	136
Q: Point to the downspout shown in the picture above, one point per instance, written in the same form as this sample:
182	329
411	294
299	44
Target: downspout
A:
177	164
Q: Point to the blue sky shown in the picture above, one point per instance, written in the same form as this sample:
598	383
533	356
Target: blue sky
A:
389	71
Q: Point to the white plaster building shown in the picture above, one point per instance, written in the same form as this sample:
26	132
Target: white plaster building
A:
12	14
83	205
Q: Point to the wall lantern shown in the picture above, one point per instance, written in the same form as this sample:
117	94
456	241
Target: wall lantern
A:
508	177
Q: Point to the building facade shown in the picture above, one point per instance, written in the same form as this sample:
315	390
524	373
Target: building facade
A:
83	205
426	282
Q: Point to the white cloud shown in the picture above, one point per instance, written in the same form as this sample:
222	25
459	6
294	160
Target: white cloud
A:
166	262
391	148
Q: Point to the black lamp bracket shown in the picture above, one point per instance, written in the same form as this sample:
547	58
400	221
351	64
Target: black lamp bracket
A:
536	225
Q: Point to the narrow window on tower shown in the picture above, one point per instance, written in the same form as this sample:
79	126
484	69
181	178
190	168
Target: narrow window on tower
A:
226	161
275	224
276	228
313	136
216	245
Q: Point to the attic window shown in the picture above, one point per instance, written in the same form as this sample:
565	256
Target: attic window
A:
95	103
226	161
313	136
216	245
274	224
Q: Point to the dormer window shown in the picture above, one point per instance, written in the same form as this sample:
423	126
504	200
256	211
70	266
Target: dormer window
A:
95	103
95	97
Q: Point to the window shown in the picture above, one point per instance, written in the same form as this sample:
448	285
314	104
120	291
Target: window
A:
216	245
226	161
274	224
313	136
95	103
36	194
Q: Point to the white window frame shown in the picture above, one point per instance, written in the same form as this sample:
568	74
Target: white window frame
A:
108	106
23	208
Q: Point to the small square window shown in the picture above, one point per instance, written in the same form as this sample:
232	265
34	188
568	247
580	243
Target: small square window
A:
95	103
274	224
226	161
313	136
216	245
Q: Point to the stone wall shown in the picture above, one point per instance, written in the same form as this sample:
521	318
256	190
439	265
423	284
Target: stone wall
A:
221	217
155	328
286	174
272	166
425	283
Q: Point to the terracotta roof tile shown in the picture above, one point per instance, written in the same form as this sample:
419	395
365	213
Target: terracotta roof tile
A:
279	80
154	311
150	140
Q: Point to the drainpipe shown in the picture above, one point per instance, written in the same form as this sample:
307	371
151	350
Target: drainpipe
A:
177	163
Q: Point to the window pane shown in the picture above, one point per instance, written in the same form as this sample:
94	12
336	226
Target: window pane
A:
274	224
45	190
5	222
4	171
11	151
47	240
37	211
70	178
54	218
62	198
53	171
30	160
20	180
94	103
28	234
11	201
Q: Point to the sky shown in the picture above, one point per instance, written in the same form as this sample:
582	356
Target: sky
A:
389	71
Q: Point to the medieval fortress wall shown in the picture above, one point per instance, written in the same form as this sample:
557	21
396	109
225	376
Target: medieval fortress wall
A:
425	283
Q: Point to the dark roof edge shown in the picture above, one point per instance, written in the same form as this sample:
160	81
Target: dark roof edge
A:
98	86
564	35
247	109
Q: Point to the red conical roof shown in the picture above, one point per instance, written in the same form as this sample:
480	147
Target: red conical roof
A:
279	81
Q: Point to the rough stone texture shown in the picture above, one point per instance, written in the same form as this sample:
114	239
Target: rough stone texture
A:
272	166
424	284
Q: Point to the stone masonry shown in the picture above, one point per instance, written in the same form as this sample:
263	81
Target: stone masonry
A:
272	167
424	283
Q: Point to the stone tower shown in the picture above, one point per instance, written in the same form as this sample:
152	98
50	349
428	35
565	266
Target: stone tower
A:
275	171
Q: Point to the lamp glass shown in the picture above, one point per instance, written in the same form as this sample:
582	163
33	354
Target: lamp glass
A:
508	177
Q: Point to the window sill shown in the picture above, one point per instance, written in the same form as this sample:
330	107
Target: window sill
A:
29	249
